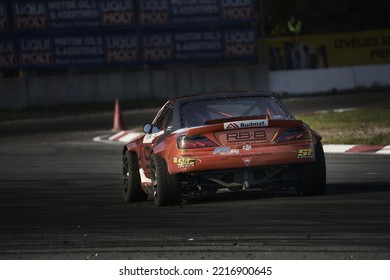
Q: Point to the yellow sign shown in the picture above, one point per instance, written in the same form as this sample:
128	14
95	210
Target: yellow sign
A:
329	50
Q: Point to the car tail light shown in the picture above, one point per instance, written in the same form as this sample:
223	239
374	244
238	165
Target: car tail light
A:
194	142
294	134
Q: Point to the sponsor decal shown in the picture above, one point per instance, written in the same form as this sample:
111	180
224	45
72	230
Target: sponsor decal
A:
226	151
183	162
247	161
31	15
122	49
305	153
245	124
247	147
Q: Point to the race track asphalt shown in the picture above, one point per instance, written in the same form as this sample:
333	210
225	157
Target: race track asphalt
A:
60	198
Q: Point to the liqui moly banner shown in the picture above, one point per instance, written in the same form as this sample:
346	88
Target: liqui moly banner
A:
30	15
122	49
175	13
71	14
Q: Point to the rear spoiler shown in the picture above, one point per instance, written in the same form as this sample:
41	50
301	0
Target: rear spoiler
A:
225	124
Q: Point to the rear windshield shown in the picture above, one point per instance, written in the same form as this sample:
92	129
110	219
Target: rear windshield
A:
198	112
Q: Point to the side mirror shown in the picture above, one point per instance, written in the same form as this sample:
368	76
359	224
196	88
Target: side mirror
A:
147	128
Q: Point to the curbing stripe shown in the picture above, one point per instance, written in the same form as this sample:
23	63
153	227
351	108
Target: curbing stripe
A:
365	149
384	151
336	149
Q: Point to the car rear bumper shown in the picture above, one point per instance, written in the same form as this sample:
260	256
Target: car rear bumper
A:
221	158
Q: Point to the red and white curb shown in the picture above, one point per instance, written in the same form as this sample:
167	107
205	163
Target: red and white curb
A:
369	149
128	135
124	136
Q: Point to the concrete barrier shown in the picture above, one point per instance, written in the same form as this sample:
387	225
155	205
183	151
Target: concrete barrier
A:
330	79
165	82
156	82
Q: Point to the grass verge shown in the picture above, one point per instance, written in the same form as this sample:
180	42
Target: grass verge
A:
359	126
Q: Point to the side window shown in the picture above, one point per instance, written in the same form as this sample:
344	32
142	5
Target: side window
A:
164	120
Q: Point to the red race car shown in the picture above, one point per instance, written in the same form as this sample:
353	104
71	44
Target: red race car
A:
233	141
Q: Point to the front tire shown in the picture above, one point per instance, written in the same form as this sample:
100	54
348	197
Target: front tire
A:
132	190
167	188
314	174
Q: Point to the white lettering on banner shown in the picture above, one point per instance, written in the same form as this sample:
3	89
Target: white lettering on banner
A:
75	14
95	41
154	5
68	41
121	42
240	37
198	46
35	45
87	4
116	6
79	51
198	41
30	9
195	10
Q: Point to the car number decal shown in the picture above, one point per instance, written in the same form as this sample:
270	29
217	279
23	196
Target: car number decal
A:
183	162
305	153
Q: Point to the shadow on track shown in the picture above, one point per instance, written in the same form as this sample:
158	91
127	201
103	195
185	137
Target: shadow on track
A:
331	189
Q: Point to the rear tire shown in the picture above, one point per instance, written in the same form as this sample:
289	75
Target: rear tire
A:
314	175
132	190
167	188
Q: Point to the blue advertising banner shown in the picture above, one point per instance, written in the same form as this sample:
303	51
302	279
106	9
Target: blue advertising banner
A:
216	45
173	13
88	50
60	34
105	50
73	14
78	50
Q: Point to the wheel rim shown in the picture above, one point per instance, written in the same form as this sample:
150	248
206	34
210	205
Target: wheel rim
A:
154	180
125	176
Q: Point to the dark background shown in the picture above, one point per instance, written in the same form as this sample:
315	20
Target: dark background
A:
328	16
